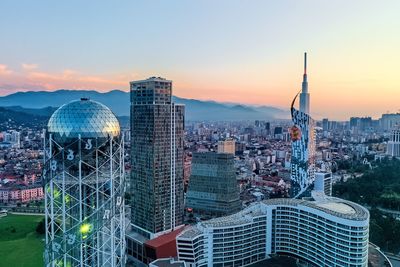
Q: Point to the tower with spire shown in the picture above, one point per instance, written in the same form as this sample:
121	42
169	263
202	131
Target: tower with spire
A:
304	95
303	143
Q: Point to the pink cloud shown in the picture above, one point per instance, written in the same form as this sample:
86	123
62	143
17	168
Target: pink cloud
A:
29	67
30	78
4	70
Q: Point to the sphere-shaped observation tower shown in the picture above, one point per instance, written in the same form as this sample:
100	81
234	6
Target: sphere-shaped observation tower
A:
84	187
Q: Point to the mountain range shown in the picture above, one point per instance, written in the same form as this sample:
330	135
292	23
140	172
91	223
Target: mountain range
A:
43	103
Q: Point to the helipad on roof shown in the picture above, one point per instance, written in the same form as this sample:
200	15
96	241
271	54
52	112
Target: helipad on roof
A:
338	207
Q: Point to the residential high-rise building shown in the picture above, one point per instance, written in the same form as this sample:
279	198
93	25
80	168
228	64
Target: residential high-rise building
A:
325	124
13	137
84	187
303	143
268	127
157	143
213	190
361	123
323	182
323	231
226	146
393	145
389	121
278	130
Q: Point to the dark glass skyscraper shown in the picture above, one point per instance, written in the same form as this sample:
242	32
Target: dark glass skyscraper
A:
157	142
213	190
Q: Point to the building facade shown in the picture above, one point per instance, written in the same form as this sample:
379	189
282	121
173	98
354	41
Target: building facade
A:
393	145
157	143
213	189
388	121
323	182
226	146
324	232
84	187
303	144
21	193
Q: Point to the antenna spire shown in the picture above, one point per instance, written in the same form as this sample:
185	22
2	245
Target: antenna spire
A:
305	62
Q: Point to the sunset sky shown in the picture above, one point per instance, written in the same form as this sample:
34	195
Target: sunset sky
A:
233	51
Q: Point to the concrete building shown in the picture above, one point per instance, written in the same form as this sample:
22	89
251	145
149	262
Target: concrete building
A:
12	137
322	232
21	193
393	145
325	124
389	121
149	250
157	142
323	182
213	190
226	146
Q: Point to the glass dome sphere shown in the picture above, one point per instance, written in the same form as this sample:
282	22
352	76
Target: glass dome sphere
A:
85	118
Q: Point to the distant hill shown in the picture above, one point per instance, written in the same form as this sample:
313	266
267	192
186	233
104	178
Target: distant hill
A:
46	112
14	119
43	103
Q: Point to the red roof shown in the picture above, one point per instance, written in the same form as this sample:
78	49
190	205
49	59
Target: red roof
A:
164	239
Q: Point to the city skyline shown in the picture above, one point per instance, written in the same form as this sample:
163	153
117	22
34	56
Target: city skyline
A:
136	133
213	51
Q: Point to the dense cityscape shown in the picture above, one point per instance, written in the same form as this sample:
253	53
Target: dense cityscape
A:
169	192
207	133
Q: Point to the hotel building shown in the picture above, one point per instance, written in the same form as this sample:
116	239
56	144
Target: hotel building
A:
324	231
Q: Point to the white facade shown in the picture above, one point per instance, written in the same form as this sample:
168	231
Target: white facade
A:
13	137
393	146
325	232
323	182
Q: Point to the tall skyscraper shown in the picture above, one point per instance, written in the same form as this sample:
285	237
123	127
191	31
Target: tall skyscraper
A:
304	95
84	187
303	143
213	190
157	143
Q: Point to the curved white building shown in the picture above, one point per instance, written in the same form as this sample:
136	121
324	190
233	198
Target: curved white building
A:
324	232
